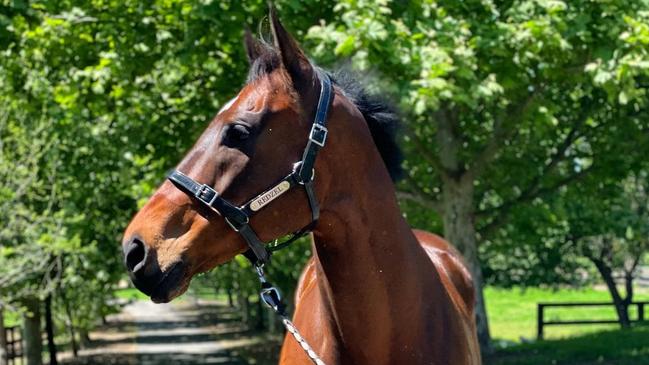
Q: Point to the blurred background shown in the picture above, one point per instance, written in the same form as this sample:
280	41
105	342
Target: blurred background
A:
525	135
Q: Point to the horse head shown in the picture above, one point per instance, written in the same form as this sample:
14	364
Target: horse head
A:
253	142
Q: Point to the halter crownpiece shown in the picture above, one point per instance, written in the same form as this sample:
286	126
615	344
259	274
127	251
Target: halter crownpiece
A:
303	174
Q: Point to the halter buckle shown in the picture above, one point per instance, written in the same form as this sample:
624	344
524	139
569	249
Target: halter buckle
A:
207	194
318	134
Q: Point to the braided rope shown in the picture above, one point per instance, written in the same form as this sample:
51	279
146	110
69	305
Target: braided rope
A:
290	327
274	301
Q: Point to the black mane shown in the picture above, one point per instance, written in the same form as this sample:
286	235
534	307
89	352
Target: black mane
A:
381	117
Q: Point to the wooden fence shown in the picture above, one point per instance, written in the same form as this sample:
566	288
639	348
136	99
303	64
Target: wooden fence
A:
541	322
14	346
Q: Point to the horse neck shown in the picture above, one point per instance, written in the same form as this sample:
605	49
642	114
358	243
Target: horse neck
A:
366	255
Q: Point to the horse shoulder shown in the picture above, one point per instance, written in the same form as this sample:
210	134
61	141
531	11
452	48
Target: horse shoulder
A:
307	280
450	265
310	321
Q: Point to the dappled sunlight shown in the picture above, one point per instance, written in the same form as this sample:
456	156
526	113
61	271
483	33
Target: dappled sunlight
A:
180	333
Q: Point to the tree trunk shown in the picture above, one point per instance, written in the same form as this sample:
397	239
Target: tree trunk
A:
70	324
49	329
621	307
260	315
244	307
32	332
3	339
271	321
628	284
230	300
459	230
84	338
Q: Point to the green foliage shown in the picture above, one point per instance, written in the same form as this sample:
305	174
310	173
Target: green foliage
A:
521	97
615	227
239	276
620	347
532	250
556	241
529	70
97	100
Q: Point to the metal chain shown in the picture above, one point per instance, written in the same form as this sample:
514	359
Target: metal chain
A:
270	295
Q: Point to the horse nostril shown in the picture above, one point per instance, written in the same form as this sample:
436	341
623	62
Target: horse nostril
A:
135	255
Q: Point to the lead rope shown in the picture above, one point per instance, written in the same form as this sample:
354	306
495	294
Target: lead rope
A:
270	295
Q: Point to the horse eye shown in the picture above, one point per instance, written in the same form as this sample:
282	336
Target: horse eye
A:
239	132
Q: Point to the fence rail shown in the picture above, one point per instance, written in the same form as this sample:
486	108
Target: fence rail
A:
14	345
541	322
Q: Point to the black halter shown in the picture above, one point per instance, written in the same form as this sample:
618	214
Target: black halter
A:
303	174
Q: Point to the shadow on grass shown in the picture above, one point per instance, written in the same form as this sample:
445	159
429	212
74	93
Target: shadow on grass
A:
264	353
157	359
617	347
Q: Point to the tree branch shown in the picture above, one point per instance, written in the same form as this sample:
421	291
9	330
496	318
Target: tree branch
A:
527	196
448	144
422	149
534	189
503	130
423	201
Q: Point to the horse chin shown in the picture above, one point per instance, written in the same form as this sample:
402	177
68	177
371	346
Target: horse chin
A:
173	285
171	296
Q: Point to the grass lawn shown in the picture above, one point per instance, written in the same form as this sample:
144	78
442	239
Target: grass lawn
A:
614	347
512	312
130	294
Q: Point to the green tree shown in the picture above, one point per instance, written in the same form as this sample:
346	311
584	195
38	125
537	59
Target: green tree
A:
612	232
506	102
97	100
596	229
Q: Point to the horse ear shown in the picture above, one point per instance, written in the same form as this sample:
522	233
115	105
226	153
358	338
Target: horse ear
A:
254	47
295	62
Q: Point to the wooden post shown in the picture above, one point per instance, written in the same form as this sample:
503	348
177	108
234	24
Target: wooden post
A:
12	339
33	338
641	312
3	339
539	321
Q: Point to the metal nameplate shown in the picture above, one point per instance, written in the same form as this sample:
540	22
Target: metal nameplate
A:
267	197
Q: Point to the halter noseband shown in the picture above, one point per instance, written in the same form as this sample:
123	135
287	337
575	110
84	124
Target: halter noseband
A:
303	174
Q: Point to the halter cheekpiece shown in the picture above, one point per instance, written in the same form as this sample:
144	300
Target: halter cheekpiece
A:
303	174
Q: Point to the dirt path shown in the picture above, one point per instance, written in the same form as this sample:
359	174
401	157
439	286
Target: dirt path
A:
152	334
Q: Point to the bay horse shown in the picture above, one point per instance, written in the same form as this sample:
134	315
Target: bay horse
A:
375	291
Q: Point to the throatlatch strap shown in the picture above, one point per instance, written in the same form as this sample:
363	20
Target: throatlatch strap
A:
313	201
256	246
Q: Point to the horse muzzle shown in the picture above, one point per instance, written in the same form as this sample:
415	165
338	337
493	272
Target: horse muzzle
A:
147	276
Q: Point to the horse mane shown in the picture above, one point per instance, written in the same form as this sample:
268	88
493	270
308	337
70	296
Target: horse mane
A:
381	116
382	119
